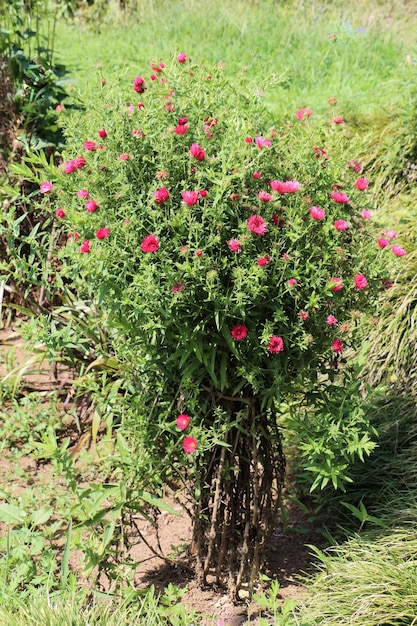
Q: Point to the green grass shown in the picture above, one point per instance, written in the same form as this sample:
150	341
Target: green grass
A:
364	67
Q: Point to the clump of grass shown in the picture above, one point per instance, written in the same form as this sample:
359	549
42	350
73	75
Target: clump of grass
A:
370	580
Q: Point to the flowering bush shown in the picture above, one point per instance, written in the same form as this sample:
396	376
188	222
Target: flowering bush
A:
235	260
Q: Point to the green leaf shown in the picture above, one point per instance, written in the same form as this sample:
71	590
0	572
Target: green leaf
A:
10	514
158	503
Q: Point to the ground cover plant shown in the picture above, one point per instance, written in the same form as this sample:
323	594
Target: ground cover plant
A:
306	151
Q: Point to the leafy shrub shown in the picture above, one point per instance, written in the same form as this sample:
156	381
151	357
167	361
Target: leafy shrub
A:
233	260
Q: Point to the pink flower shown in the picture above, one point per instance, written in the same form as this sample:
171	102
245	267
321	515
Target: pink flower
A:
303	113
85	246
177	287
138	133
161	195
46	187
261	142
339	119
182	121
256	175
150	243
264	260
292	282
335	284
391	234
366	214
181	129
276	220
360	281
361	184
189	445
79	162
190	197
337	346
387	284
290	186
331	320
198	253
59	108
264	196
382	242
337	196
275	345
248	139
91	206
197	152
398	251
90	146
60	213
70	167
235	245
183	421
124	156
257	225
340	225
239	332
303	315
73	236
317	213
83	193
102	133
181	57
102	233
202	193
139	84
355	166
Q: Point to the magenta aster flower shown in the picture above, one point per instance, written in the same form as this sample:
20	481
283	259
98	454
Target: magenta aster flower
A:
335	284
90	146
331	320
340	197
303	113
197	152
181	129
398	251
102	133
139	84
362	184
60	213
289	186
275	345
382	242
85	246
360	281
189	445
150	243
366	214
257	225
264	196
239	332
317	213
339	119
261	142
178	287
264	260
102	233
79	162
161	195
69	167
235	245
181	57
91	206
83	193
190	197
340	225
337	346
46	187
183	421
